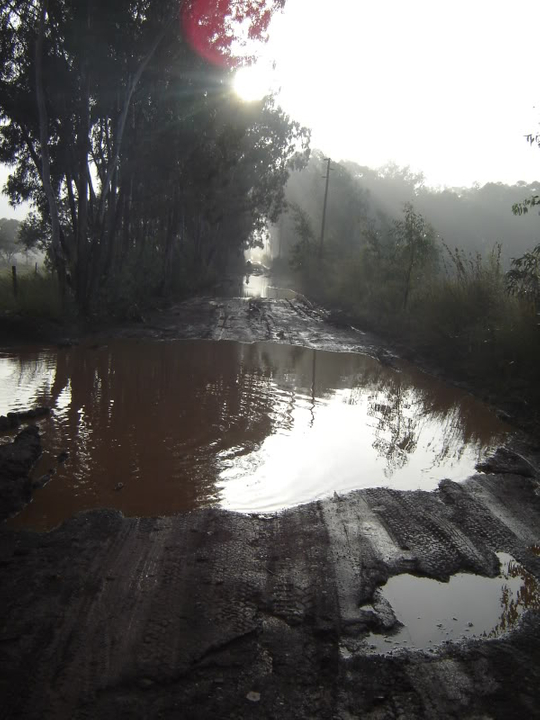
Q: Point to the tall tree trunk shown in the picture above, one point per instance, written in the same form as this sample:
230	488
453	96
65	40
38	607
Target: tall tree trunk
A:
132	84
82	239
107	212
57	249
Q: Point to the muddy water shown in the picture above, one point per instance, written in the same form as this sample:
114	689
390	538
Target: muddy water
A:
156	428
467	606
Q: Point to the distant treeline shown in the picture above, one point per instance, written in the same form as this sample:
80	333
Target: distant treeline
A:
364	200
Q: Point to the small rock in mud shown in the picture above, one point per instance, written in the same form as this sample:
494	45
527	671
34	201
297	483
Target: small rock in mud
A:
16	461
12	420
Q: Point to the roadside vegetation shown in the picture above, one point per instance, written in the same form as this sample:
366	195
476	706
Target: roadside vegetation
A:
466	311
36	297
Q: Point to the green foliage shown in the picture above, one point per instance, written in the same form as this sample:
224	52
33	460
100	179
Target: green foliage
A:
414	247
304	249
471	324
523	279
522	208
8	240
34	234
463	306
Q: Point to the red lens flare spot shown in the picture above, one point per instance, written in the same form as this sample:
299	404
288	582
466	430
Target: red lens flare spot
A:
221	31
207	26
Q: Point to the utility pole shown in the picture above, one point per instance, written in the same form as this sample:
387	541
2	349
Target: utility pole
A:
327	176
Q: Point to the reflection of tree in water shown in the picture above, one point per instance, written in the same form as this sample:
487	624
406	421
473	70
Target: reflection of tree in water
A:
179	412
33	371
160	418
397	421
405	404
527	597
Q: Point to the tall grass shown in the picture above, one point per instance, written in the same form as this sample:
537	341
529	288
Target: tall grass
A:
473	324
459	315
37	296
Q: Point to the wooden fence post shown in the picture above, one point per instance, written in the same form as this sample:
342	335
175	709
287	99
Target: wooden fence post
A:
14	278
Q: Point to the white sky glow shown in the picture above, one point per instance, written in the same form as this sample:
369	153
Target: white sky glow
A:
448	88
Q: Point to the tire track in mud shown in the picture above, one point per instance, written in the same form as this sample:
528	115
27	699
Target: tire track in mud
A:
295	322
198	610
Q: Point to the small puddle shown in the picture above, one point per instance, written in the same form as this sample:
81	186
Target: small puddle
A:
157	428
468	606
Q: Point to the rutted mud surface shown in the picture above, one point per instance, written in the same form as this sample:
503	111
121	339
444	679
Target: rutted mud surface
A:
218	614
295	322
109	617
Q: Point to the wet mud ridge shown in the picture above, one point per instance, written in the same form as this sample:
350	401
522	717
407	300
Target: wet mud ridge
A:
217	614
295	322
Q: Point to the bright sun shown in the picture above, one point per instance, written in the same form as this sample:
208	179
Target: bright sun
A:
252	83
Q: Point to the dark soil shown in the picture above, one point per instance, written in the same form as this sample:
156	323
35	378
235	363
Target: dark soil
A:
16	460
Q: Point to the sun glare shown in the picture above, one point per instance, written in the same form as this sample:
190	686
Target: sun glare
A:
252	83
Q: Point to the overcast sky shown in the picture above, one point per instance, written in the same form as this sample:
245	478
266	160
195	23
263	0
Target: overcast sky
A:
449	88
5	209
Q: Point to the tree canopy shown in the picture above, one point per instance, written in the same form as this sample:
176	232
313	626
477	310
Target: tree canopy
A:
145	167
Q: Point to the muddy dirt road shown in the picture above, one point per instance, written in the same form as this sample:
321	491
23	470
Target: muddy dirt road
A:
212	614
296	322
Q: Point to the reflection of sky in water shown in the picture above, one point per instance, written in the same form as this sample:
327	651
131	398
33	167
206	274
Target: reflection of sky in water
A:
336	445
467	606
259	427
23	378
256	286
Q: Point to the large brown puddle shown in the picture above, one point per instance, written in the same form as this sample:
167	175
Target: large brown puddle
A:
157	428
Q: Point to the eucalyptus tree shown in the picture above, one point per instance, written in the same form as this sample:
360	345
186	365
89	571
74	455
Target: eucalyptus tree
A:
125	138
72	67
